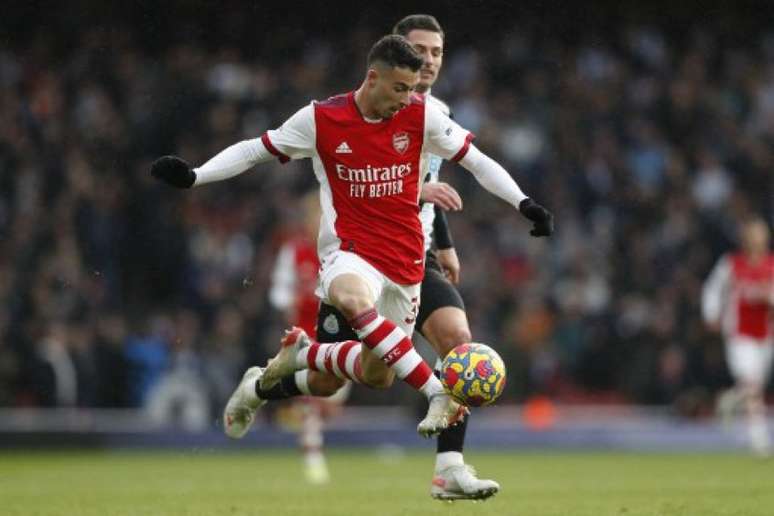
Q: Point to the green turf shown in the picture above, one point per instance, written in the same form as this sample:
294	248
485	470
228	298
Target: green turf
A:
365	483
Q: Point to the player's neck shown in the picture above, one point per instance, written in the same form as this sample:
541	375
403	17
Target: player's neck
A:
367	111
755	256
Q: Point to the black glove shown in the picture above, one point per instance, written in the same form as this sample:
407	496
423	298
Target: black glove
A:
542	218
173	171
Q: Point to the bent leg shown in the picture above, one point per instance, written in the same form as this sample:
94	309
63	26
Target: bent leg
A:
445	329
755	407
390	351
443	322
749	361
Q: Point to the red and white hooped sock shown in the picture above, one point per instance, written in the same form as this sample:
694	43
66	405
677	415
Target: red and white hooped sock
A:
341	359
394	347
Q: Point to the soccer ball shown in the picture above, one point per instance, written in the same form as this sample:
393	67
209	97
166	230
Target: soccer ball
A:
473	374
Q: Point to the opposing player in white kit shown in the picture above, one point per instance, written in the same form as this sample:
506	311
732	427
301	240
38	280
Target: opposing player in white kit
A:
366	148
738	299
293	293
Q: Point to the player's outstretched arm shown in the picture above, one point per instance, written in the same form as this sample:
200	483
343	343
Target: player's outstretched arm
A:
295	139
450	141
444	197
714	292
445	252
230	162
496	180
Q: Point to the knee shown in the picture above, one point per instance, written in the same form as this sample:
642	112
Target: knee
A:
352	304
450	338
379	379
752	391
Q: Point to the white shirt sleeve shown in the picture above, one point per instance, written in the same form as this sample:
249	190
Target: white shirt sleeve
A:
492	176
444	136
233	161
715	290
283	279
295	139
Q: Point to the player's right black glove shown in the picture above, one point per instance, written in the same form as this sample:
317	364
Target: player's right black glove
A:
174	171
542	219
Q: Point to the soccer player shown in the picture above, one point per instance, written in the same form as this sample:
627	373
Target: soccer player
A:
293	292
441	318
738	300
365	148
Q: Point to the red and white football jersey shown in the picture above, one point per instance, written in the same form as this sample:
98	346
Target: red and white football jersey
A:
293	283
370	175
740	295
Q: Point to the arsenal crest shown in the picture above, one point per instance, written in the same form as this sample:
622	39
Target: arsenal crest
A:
400	142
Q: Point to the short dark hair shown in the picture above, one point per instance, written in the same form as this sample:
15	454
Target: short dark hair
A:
396	52
417	22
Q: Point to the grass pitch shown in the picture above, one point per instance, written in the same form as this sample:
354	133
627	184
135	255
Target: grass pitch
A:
365	483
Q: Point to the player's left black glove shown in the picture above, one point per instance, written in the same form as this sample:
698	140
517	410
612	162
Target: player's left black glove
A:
174	171
543	220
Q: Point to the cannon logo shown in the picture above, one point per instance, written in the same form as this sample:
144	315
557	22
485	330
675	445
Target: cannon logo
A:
400	142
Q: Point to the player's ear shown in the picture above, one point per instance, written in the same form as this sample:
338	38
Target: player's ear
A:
372	76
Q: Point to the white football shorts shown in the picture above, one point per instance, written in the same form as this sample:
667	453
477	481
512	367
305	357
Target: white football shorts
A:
398	303
749	359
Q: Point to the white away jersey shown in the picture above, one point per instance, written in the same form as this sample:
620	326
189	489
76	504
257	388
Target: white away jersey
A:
431	167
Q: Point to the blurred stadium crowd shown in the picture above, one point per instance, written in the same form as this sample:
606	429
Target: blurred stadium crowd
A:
648	145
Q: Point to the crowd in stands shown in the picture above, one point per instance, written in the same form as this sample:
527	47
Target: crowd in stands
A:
116	291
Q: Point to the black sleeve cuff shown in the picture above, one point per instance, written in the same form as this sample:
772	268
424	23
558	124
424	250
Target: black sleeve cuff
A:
441	234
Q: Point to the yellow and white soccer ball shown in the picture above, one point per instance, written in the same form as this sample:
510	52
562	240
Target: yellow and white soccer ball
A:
473	374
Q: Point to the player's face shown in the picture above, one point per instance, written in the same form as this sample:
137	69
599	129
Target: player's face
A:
429	45
755	237
391	89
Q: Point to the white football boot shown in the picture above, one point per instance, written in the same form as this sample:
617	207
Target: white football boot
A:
442	412
239	414
316	469
760	442
727	407
284	362
460	482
